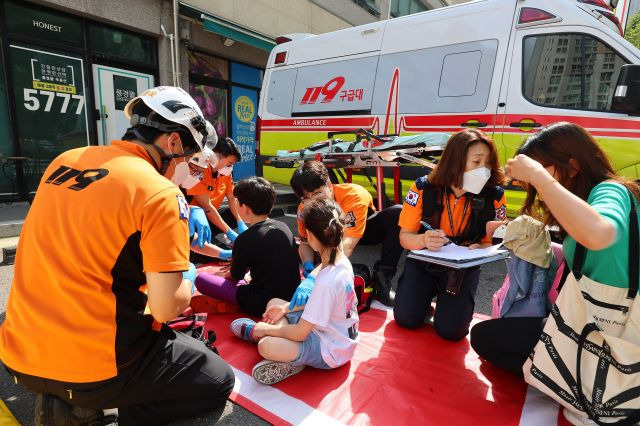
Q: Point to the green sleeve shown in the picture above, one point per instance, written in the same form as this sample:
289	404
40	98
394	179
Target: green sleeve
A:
611	201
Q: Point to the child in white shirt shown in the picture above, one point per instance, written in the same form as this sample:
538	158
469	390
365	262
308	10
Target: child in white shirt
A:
324	333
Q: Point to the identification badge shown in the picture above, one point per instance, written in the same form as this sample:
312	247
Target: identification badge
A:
412	198
183	207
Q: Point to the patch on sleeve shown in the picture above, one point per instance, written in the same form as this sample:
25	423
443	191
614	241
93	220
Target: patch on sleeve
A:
501	212
350	220
412	198
183	207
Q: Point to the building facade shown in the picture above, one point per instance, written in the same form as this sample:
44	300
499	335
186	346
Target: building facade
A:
68	67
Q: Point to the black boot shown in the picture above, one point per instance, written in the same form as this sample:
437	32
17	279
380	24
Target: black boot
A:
53	411
382	276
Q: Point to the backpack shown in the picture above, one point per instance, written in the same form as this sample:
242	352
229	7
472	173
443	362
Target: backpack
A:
362	284
193	325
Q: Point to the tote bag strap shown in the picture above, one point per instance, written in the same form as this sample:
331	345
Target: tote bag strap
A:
631	420
634	259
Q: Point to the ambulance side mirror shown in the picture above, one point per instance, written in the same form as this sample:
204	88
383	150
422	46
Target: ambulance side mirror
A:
626	98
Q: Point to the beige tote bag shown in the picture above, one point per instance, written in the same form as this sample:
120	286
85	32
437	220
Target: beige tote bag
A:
588	356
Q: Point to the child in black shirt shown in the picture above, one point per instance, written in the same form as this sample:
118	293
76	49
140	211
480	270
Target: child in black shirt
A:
266	250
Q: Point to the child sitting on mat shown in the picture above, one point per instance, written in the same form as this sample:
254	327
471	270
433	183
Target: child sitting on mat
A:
267	250
324	333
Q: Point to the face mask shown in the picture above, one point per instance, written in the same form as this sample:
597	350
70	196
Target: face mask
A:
181	173
474	180
190	181
225	171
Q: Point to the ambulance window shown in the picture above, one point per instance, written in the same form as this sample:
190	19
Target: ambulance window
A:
280	92
460	74
583	76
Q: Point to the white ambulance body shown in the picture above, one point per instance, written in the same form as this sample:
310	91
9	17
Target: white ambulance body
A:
506	67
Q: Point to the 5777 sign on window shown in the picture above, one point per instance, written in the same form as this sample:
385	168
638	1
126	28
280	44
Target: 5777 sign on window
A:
52	79
49	89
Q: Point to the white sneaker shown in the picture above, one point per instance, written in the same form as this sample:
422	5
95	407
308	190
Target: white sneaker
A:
271	372
577	419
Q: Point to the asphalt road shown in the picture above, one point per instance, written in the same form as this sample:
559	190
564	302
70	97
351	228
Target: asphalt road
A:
21	402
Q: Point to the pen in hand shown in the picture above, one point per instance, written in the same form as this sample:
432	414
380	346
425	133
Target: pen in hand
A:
430	228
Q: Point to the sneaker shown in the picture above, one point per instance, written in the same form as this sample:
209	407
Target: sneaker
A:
271	372
243	329
53	411
210	305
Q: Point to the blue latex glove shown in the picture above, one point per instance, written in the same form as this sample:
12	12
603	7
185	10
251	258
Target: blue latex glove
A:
231	235
198	223
307	266
191	276
301	296
225	254
242	227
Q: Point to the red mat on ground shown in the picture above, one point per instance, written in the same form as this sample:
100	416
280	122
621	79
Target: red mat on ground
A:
396	376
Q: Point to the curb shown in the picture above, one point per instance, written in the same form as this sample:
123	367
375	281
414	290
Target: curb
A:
8	255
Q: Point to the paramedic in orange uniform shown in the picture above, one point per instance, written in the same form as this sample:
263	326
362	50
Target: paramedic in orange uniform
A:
364	226
215	185
457	200
105	221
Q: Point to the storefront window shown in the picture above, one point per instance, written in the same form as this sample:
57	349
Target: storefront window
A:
213	103
32	21
51	110
7	168
205	75
122	45
208	66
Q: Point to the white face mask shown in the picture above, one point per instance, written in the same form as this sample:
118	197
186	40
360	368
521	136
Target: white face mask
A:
225	171
180	173
192	180
474	180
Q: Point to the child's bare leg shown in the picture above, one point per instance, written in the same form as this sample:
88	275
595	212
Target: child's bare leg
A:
276	301
278	349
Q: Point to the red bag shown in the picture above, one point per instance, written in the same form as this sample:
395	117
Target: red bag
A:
362	286
193	325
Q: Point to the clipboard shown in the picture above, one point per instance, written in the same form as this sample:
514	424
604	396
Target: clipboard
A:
459	257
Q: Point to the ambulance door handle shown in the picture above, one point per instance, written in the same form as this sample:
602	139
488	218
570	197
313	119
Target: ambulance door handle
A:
524	124
474	124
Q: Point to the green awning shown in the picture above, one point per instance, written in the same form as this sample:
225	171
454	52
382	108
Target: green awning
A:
229	29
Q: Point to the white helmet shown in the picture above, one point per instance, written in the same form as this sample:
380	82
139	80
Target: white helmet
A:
212	136
173	104
205	158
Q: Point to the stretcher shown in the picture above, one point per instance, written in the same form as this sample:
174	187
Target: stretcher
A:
368	150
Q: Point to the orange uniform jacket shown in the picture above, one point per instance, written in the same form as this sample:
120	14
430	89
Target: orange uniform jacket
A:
412	213
356	204
217	187
101	217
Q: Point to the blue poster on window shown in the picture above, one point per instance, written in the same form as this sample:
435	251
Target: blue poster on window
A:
244	104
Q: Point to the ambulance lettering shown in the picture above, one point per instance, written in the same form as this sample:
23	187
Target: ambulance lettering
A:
309	122
329	91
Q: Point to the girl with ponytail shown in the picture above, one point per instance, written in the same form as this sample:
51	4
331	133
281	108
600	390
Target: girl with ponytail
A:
323	333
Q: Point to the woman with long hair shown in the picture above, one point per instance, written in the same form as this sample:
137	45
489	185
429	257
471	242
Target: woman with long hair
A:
452	204
571	184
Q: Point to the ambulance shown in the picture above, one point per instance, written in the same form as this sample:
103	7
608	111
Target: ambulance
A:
506	67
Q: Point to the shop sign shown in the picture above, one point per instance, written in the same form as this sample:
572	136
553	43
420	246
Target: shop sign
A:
243	129
32	21
50	102
124	89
